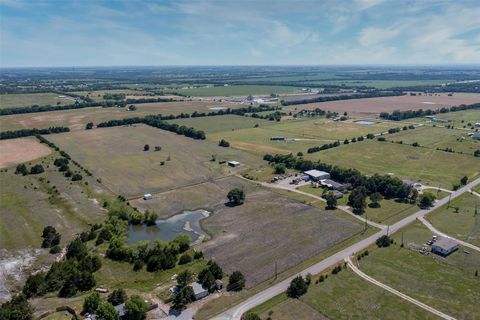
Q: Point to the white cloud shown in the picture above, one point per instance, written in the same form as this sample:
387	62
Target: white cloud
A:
372	36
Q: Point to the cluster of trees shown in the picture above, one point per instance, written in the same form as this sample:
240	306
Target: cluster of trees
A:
207	276
384	241
31	132
150	100
426	200
76	105
275	116
157	122
236	197
114	96
362	95
17	308
22	169
51	239
299	286
135	307
323	147
398	115
224	143
72	274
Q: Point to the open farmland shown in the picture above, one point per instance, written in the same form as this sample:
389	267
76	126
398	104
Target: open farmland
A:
30	99
373	106
77	119
97	95
433	138
243	90
459	119
459	219
447	284
15	151
116	156
271	229
433	167
218	124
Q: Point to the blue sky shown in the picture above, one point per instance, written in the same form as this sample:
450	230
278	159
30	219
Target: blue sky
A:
242	32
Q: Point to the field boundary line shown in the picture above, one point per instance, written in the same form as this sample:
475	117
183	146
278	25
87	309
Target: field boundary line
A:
396	292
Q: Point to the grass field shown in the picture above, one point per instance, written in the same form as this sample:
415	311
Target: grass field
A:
343	296
242	90
464	224
442	138
15	151
30	99
459	119
221	123
116	156
447	284
77	119
418	164
382	84
98	94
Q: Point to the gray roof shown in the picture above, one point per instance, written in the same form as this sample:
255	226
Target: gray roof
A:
316	173
198	288
334	184
446	243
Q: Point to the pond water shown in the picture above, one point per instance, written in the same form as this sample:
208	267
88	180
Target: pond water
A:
367	122
186	223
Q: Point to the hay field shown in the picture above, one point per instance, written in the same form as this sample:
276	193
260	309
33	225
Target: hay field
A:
218	124
116	156
373	106
15	151
13	100
77	119
419	164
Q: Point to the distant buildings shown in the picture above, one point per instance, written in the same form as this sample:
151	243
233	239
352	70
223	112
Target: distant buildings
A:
317	175
445	246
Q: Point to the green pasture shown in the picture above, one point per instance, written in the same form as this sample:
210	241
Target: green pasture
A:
13	100
240	90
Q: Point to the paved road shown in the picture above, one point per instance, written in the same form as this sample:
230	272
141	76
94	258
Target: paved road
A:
438	232
475	193
397	293
236	312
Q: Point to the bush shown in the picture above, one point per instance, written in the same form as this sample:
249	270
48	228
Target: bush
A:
236	196
77	177
185	258
297	288
36	169
198	255
146	147
21	169
118	296
384	241
91	303
138	265
426	200
236	281
224	143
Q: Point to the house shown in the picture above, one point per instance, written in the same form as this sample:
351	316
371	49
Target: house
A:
199	291
440	120
476	136
233	163
147	196
330	184
317	175
120	310
219	284
445	246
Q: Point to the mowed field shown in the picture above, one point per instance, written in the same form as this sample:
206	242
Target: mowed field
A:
242	90
77	119
13	100
116	156
428	166
459	219
15	151
373	106
432	137
218	124
447	284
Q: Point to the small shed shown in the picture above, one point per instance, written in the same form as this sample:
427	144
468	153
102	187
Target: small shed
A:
317	175
333	185
445	246
219	284
147	196
233	163
199	291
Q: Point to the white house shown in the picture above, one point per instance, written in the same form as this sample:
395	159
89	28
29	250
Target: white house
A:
445	246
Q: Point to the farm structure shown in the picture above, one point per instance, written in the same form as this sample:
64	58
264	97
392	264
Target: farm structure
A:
317	175
445	246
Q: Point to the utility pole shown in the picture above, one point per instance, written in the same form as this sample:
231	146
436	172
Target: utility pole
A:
276	270
366	225
402	239
388	229
449	197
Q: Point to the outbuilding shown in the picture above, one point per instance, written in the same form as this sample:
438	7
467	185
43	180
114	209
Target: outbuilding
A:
147	196
317	175
445	246
233	163
199	291
330	184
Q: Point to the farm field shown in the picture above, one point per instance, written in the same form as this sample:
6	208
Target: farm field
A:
373	106
15	151
438	282
218	124
13	100
241	90
431	167
459	220
270	228
434	138
77	119
382	84
97	95
344	296
116	156
459	119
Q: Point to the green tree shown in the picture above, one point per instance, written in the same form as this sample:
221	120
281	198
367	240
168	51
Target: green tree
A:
36	169
91	303
106	311
251	316
118	296
89	126
183	297
146	147
384	241
206	278
376	197
215	269
280	168
236	196
426	200
357	199
184	278
236	281
464	180
185	258
17	308
224	143
135	308
21	169
297	287
331	201
76	249
150	218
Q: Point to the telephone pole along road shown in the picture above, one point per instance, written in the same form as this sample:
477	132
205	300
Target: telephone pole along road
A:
236	312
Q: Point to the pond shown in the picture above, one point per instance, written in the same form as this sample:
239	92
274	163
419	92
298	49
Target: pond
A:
367	122
186	223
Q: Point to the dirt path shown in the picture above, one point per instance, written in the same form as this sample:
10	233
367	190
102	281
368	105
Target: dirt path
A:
395	292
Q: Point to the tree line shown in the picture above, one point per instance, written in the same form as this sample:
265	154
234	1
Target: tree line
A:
363	95
398	115
31	132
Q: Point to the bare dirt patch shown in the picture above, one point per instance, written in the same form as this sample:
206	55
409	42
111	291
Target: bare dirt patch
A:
15	151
